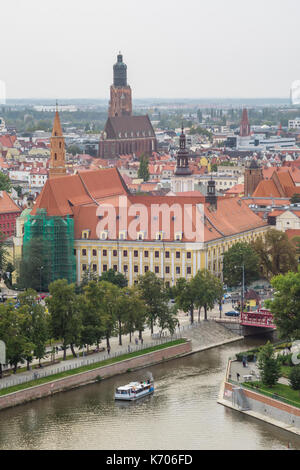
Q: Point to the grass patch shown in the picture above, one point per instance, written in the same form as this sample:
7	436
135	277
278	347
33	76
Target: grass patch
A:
67	373
279	391
285	371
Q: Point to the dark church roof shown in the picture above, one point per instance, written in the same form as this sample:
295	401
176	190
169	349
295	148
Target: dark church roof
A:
126	127
253	165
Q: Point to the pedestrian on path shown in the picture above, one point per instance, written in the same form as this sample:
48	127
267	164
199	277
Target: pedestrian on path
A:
136	341
108	349
238	376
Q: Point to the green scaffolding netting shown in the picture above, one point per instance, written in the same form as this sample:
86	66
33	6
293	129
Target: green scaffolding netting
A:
57	235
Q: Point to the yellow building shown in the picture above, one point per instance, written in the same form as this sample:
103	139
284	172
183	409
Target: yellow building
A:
173	236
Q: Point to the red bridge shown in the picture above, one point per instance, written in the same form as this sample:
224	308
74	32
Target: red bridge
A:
262	317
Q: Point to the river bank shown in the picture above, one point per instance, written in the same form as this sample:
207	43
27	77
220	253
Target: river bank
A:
182	413
199	337
259	406
79	379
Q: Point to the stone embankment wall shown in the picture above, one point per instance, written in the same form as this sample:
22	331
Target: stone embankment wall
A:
67	383
260	406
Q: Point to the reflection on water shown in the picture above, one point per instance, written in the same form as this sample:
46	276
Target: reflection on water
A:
182	414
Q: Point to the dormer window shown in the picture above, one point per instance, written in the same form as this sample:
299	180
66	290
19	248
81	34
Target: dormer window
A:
122	235
178	236
85	234
159	236
140	235
104	235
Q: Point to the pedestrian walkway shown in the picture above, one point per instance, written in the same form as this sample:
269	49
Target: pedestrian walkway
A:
205	336
71	364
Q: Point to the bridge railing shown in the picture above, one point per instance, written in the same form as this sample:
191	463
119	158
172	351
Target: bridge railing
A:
262	317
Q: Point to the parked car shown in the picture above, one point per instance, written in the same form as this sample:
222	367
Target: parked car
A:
232	313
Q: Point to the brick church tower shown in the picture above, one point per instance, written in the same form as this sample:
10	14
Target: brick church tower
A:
120	93
245	125
57	148
253	175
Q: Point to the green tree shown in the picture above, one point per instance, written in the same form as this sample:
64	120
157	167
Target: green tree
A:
35	326
3	254
286	304
5	183
65	315
143	171
185	296
108	293
295	199
268	365
294	378
35	266
12	326
114	277
208	289
93	318
239	254
134	311
18	188
168	320
88	275
74	149
277	255
155	296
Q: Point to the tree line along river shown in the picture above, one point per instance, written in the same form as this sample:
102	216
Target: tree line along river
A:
182	414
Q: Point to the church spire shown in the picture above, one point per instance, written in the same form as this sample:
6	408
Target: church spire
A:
182	165
57	130
245	125
120	92
57	149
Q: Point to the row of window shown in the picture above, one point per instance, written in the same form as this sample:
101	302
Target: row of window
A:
10	226
135	253
136	269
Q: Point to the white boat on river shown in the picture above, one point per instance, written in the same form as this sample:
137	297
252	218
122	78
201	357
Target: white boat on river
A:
134	390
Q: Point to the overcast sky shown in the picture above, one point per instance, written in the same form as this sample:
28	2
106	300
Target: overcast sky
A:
173	49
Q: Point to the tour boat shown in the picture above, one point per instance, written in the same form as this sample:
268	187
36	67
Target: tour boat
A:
134	390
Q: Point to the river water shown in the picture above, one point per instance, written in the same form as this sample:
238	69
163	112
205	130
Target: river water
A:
182	414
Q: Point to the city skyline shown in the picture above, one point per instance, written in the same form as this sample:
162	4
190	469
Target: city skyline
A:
178	51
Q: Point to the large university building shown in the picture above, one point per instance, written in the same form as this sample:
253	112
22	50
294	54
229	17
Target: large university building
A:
124	133
144	233
94	224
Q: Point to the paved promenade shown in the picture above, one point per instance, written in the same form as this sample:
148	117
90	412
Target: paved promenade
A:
205	335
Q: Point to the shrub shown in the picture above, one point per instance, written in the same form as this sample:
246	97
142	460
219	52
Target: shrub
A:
98	378
248	354
268	365
294	377
285	360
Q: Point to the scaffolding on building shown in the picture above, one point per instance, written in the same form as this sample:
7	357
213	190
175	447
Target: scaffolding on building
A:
56	235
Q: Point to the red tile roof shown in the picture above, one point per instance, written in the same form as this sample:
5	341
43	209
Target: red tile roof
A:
7	204
60	195
7	140
231	217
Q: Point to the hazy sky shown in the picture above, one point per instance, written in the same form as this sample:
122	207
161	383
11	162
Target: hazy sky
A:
172	48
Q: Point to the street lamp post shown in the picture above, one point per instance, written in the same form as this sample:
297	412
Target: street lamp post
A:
243	287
